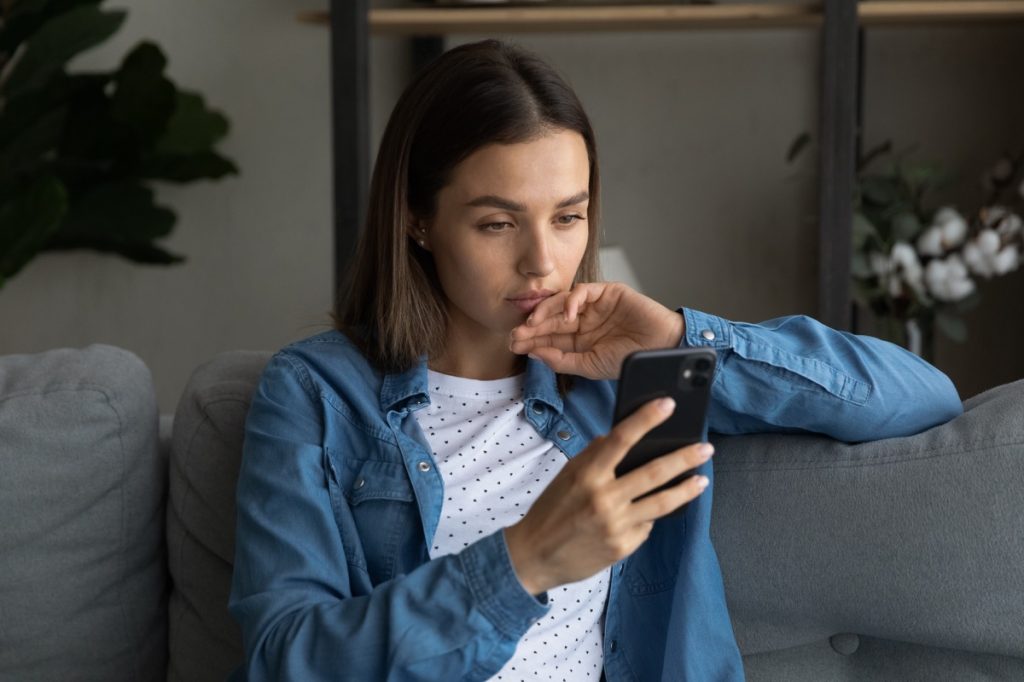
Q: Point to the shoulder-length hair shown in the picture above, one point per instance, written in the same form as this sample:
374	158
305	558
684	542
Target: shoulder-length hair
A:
391	303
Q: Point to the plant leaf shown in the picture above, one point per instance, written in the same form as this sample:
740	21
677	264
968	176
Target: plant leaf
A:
27	222
953	327
880	190
32	144
60	39
193	128
114	214
863	231
859	266
905	226
967	304
797	146
208	165
143	99
24	18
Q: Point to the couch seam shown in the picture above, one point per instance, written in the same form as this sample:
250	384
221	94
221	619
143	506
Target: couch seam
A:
935	453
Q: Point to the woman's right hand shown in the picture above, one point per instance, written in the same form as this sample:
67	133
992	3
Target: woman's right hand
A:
587	519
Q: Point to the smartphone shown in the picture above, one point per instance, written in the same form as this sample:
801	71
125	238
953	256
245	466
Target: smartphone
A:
684	374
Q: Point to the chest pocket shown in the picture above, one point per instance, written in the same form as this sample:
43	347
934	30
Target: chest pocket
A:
383	511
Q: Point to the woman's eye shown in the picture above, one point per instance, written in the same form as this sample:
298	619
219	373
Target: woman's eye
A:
570	219
495	227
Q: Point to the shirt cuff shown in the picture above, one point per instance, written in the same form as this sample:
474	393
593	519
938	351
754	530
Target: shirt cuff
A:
496	588
705	331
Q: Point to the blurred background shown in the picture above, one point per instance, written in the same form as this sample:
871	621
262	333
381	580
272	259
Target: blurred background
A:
693	127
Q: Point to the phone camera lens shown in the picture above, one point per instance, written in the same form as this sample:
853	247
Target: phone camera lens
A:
702	365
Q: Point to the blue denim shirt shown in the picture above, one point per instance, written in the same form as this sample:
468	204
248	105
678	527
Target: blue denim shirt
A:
339	499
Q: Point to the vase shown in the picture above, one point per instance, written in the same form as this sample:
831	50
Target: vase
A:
916	334
920	337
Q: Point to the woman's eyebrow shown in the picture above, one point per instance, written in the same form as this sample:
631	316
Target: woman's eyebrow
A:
509	205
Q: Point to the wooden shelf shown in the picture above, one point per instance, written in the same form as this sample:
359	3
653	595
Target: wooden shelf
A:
443	20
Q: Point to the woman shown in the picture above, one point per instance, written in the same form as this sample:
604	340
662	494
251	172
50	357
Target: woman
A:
428	493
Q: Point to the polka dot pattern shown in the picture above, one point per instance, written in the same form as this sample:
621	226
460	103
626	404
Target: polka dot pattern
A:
494	464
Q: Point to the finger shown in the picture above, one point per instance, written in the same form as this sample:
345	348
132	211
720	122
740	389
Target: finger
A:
555	324
563	342
659	504
581	296
549	307
630	430
663	469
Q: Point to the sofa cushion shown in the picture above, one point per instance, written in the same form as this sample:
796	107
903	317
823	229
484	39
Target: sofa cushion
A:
206	449
901	554
82	560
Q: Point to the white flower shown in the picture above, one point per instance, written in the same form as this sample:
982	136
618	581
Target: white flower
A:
947	279
986	255
880	264
906	264
1001	219
947	232
930	242
1007	260
1011	225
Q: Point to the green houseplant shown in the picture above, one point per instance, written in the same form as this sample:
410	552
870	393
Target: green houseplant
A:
79	152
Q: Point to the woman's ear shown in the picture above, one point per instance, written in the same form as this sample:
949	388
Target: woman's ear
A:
418	232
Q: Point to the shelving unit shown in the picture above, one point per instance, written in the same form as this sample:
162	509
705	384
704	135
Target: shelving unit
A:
443	20
841	23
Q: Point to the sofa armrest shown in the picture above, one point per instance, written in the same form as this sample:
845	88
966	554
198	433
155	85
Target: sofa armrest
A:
917	539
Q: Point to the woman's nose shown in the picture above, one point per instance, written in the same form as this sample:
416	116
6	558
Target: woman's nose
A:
537	258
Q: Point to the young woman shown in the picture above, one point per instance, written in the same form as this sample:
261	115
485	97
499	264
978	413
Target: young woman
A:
428	493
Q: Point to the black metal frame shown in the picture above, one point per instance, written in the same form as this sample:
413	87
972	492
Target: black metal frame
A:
350	102
840	118
837	161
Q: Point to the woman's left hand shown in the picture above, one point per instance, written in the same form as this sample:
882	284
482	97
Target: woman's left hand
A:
590	330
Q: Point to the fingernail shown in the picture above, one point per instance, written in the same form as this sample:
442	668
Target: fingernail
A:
702	482
531	355
707	449
666	404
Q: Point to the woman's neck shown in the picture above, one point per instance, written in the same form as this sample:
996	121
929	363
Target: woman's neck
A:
473	357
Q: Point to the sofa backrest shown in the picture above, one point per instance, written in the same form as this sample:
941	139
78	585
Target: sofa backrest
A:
83	577
206	448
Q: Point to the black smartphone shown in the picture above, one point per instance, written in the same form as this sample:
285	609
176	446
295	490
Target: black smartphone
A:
684	374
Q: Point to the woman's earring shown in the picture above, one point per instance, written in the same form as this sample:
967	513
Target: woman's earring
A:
423	243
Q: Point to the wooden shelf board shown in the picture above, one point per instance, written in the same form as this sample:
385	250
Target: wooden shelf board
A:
443	20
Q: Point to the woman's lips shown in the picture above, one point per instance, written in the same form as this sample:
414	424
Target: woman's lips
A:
526	304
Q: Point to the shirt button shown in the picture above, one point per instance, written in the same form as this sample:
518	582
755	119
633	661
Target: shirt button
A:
537	409
613	646
708	334
424	466
565	435
360	483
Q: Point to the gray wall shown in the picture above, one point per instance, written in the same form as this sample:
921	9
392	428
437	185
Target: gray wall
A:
692	127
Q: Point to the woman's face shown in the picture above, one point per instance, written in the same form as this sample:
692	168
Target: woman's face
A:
510	230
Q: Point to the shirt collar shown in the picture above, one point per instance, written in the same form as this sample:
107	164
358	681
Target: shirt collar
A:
401	388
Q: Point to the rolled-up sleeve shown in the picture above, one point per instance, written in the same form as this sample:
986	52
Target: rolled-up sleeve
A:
454	617
796	374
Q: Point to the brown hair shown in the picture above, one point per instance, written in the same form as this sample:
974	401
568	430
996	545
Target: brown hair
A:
391	303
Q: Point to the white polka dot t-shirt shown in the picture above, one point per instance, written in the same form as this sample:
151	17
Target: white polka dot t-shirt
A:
494	464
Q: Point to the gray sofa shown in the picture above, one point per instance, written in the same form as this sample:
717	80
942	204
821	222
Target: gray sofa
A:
895	560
